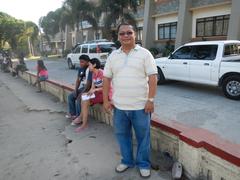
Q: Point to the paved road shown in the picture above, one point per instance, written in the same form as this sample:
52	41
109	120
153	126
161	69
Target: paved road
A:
192	104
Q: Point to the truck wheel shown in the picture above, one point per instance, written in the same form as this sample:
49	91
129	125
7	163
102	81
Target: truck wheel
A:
70	64
231	87
161	78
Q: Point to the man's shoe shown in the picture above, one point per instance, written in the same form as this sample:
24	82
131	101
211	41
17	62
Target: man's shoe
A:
145	173
121	168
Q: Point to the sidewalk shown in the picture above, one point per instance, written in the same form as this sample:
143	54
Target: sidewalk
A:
38	143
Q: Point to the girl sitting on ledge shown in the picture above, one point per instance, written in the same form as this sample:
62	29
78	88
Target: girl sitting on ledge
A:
42	74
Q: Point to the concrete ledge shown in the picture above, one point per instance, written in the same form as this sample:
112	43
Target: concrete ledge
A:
203	154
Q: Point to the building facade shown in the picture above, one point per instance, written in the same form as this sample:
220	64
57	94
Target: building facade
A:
181	21
161	23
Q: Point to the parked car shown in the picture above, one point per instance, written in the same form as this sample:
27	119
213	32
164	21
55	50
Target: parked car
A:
94	49
214	63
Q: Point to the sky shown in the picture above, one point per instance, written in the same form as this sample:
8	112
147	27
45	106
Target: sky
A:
29	10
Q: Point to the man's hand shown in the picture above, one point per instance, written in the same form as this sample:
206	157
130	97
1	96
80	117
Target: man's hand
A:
149	107
107	106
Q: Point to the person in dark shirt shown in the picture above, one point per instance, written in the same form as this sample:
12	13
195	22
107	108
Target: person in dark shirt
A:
83	84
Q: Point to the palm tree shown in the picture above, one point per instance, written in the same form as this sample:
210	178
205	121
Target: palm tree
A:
115	11
81	10
55	22
31	30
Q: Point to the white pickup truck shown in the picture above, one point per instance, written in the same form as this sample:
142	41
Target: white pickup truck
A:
214	63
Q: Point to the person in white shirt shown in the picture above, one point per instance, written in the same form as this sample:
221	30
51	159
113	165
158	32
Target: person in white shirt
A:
133	73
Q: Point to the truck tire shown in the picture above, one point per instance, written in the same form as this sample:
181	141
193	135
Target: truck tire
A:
231	87
70	64
160	77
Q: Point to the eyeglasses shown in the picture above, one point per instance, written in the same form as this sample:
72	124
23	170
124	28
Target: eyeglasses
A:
128	33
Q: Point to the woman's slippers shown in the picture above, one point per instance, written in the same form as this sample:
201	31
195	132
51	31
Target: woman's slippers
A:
81	128
76	121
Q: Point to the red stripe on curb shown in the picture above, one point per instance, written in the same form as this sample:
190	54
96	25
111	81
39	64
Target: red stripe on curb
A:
54	82
201	138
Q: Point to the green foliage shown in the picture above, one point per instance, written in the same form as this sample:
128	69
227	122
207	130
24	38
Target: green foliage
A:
154	51
66	52
115	10
23	36
82	10
74	12
50	23
169	47
16	33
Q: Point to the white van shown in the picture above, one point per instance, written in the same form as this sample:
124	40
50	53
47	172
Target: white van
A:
95	49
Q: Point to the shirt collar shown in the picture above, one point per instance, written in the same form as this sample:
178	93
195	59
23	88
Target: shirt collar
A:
135	49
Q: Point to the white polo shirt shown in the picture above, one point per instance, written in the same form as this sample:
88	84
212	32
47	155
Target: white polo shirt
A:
129	73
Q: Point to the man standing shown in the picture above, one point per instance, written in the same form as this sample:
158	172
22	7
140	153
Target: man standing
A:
83	84
133	73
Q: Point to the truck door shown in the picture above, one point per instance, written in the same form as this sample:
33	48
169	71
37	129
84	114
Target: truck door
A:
75	55
177	65
202	64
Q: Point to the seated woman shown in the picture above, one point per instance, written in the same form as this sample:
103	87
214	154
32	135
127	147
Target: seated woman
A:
19	66
96	89
42	74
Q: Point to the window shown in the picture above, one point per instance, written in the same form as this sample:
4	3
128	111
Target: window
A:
231	49
93	49
77	50
106	48
97	36
85	49
212	26
139	33
183	53
205	52
167	31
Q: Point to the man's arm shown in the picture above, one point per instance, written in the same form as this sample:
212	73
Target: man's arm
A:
106	86
77	84
149	107
88	85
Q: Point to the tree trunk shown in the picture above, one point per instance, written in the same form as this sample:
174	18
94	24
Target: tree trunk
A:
29	47
62	44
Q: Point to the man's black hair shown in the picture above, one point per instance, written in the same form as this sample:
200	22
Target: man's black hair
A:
126	24
97	62
84	57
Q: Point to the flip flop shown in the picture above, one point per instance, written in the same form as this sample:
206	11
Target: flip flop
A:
80	129
74	124
76	121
